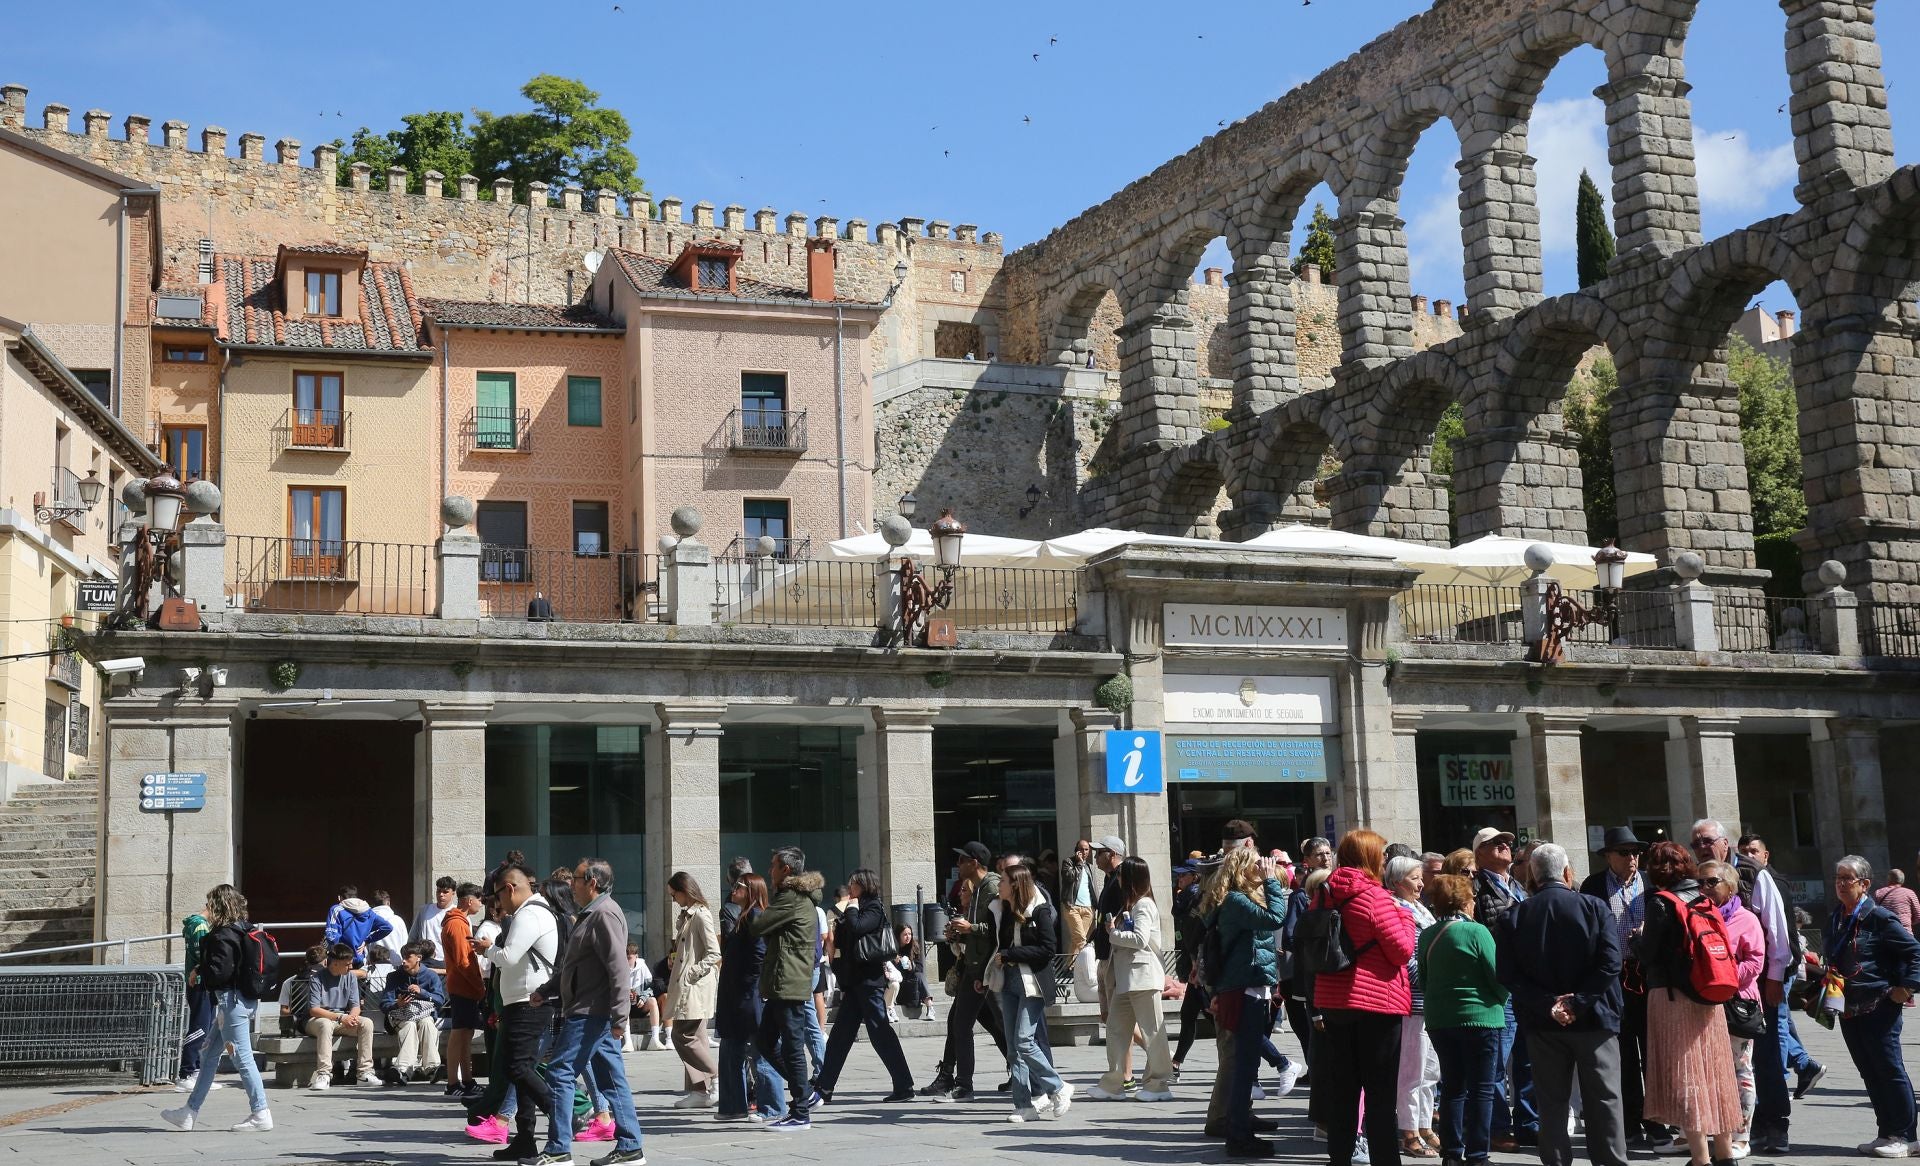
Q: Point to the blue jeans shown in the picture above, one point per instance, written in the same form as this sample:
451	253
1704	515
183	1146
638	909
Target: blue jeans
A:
1025	1017
816	1038
1468	1060
1772	1103
1249	1047
1514	1113
232	1022
1797	1057
781	1041
586	1043
1873	1040
744	1070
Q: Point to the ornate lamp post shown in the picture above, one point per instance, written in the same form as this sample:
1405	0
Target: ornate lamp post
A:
919	599
90	487
1565	615
147	552
907	505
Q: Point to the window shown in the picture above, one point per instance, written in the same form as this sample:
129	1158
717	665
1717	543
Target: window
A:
589	528
186	353
185	449
502	527
317	419
493	414
763	398
713	273
323	293
318	522
765	516
99	382
583	401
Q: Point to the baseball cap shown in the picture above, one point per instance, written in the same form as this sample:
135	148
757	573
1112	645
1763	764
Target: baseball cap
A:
1111	842
1186	868
976	851
1491	834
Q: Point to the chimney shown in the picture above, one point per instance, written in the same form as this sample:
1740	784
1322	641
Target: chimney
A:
1213	276
98	122
1312	272
820	269
1787	323
213	140
1443	309
1419	305
139	129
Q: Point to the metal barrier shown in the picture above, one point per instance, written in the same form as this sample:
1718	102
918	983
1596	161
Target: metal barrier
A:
1014	599
1890	629
126	945
69	1017
330	576
618	587
1449	613
1763	623
794	593
1645	620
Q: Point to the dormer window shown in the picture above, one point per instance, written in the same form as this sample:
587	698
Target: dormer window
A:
705	266
713	273
323	293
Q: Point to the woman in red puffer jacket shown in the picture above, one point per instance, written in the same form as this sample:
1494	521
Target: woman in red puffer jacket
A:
1358	1012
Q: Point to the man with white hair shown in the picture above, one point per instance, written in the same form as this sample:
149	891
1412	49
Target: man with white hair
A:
1561	960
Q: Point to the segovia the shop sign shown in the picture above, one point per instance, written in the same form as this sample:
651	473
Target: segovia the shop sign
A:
1231	625
1476	779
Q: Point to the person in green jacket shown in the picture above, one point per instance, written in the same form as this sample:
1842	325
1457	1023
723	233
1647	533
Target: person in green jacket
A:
1466	1014
200	1001
790	928
1246	905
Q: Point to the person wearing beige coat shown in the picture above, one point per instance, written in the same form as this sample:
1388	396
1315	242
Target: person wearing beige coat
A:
1138	977
694	989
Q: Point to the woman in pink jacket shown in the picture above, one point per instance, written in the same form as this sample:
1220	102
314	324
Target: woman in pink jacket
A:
1721	882
1358	1012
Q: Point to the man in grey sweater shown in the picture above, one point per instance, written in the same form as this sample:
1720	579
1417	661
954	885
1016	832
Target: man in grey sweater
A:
333	1004
593	1019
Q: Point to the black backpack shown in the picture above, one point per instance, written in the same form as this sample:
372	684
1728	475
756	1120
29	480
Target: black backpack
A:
1211	957
257	973
1321	945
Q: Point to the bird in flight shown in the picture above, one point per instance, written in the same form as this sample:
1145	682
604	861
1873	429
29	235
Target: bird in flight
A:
1027	119
1036	56
1782	109
617	8
946	153
1221	122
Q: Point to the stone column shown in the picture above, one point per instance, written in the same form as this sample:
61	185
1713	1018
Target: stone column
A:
203	565
450	794
1849	792
1520	482
1260	333
683	806
1701	782
1842	132
904	753
1159	377
1391	785
459	553
1656	199
1407	503
1560	785
1680	474
1500	220
1376	288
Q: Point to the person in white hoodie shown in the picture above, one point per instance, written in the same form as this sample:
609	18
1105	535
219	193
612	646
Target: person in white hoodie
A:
524	954
1138	976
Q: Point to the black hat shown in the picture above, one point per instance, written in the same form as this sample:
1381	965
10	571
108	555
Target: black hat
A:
976	851
1621	838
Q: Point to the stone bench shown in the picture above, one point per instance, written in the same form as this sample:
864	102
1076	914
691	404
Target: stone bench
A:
1076	1024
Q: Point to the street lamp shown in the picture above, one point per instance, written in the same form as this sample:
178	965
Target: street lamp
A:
948	533
918	598
907	505
1563	615
90	489
165	499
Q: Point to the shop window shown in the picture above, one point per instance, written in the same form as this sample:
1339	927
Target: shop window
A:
791	785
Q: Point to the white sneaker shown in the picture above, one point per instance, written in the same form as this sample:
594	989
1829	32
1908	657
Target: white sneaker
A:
1289	1077
186	1084
1062	1099
626	1043
1022	1115
367	1079
1887	1148
1153	1095
893	1015
1741	1150
1095	1093
698	1099
929	1012
256	1123
179	1119
1259	1092
321	1081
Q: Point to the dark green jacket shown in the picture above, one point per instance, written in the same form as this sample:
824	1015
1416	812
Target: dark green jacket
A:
1246	938
981	941
791	928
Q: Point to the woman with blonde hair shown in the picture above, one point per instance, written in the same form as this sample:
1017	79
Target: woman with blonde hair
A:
235	968
1245	904
694	990
1021	973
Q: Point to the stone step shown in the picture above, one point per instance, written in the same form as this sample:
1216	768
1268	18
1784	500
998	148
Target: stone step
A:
49	856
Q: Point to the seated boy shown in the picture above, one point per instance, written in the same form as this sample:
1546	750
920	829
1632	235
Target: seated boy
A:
412	1002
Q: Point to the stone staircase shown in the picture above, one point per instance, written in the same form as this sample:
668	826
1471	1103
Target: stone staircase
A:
48	843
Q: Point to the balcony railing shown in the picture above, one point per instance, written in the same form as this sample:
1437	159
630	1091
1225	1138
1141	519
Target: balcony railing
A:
743	546
1763	623
488	429
544	584
329	576
1442	613
1890	629
313	429
794	592
63	668
776	431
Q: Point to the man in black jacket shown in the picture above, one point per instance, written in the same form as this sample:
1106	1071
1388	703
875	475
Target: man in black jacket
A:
1108	853
1516	1122
1560	957
863	985
1620	885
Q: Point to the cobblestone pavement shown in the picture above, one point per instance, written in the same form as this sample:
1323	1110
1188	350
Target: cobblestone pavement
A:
83	1124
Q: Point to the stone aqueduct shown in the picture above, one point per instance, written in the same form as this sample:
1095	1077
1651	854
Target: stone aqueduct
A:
1850	254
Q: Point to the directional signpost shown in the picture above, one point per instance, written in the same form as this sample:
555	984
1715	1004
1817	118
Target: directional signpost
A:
166	792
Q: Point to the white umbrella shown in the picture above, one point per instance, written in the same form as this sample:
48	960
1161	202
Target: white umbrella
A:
1301	537
976	550
1500	561
1077	548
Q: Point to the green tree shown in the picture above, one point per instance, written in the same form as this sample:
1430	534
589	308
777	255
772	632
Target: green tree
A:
1587	412
1592	234
438	140
1319	247
1770	435
566	138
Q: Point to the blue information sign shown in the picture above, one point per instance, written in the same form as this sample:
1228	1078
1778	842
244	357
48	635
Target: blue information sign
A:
1134	763
1243	758
173	791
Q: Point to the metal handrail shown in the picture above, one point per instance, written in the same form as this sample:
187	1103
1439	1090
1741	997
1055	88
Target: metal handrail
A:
126	945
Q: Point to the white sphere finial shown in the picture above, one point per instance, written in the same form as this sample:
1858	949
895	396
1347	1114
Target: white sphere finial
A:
1538	558
687	522
1689	566
1833	573
896	530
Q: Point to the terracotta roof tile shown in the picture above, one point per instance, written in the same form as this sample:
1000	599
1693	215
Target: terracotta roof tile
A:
648	274
532	317
251	312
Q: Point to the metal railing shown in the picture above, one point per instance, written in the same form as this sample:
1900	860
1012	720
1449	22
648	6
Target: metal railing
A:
495	429
1014	599
126	945
767	431
1763	623
1644	619
63	668
66	1017
329	576
1446	613
66	488
781	592
546	584
1890	629
743	546
312	429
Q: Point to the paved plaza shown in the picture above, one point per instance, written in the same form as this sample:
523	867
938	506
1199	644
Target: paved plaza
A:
88	1124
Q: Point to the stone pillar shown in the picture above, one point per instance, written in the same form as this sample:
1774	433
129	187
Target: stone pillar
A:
203	565
1500	220
1560	785
1408	503
1849	793
1836	613
459	553
1391	785
1656	199
1842	132
1376	286
155	867
1260	333
1141	820
1159	377
450	794
1680	473
904	754
687	573
1701	782
1519	482
683	808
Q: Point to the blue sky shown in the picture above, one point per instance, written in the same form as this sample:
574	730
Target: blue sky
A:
882	110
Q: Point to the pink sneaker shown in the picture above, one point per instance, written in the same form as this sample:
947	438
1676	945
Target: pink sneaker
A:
600	1129
491	1130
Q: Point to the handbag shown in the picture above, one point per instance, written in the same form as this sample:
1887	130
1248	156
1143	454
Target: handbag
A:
996	977
950	983
875	947
1745	1019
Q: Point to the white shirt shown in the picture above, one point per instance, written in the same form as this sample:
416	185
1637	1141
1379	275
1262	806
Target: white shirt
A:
426	928
388	949
525	951
1773	921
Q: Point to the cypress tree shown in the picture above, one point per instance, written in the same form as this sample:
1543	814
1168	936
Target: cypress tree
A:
1318	247
1591	233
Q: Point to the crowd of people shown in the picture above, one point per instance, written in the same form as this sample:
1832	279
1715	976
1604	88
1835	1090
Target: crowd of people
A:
1447	1006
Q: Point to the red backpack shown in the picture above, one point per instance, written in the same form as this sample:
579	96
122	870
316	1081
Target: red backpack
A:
1712	976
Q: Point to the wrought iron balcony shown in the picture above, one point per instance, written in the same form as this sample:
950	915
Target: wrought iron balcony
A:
774	431
323	430
488	429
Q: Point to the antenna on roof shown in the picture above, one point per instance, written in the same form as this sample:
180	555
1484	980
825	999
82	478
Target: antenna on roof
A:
591	260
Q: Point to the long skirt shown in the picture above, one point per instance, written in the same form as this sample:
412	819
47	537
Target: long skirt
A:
1690	1076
